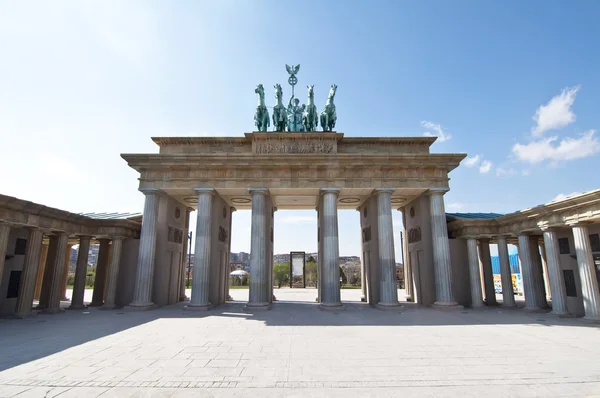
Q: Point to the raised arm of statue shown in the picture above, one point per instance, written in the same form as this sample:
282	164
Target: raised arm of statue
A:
290	103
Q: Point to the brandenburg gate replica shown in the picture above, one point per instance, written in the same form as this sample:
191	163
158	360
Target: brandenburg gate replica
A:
291	165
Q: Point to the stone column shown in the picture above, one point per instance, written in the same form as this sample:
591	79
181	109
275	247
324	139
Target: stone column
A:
538	273
508	294
408	273
110	300
587	272
142	296
202	255
259	278
542	248
388	292
29	273
55	293
185	256
441	251
40	273
63	287
525	256
228	296
488	273
474	276
555	275
80	274
4	232
330	292
363	278
101	271
49	266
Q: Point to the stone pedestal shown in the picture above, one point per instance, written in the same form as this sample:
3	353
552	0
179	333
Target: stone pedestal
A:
474	276
260	291
29	273
441	252
555	275
201	270
142	297
330	290
508	294
80	274
113	273
587	273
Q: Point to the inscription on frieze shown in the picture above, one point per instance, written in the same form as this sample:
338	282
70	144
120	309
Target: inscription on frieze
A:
294	147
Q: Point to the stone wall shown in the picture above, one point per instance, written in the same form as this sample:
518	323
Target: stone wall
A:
15	263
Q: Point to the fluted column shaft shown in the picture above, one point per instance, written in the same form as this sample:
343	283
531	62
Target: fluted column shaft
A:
531	299
408	271
330	293
259	272
142	296
508	294
80	274
40	274
548	289
474	276
113	273
363	276
184	256
4	232
202	255
441	250
63	286
488	274
555	275
538	272
101	271
56	292
587	272
48	271
29	273
388	292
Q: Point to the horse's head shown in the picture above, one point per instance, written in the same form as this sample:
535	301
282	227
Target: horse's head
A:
278	91
311	92
259	90
332	90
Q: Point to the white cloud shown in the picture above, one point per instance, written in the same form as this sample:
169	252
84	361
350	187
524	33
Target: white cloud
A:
472	161
454	206
562	196
525	172
502	172
486	167
439	131
556	113
567	149
299	219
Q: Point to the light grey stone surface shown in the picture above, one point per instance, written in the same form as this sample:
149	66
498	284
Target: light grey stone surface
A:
474	275
388	294
587	273
557	284
330	278
201	270
297	350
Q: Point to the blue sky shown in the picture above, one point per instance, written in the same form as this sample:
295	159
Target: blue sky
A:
513	84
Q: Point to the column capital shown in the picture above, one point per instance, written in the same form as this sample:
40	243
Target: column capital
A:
336	191
484	239
379	191
189	210
579	224
232	209
259	191
206	191
437	191
149	191
117	237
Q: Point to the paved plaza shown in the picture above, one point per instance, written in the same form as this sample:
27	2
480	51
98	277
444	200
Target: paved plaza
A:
296	349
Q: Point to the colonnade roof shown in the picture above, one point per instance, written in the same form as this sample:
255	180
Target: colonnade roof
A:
578	209
23	213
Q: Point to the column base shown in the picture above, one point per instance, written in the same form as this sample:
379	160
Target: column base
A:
108	307
229	298
408	297
77	307
198	307
52	311
390	307
331	306
534	309
65	298
274	298
562	314
140	306
492	304
96	304
512	305
594	319
477	306
447	306
363	299
257	307
183	298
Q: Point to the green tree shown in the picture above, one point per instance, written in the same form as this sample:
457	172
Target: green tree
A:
281	273
312	272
